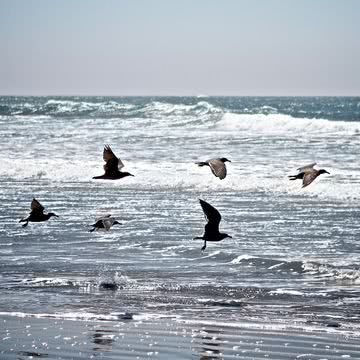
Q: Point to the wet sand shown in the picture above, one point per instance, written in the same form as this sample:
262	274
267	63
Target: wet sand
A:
169	338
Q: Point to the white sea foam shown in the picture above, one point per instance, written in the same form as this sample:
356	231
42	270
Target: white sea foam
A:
163	108
274	326
286	292
90	316
57	106
54	282
286	124
239	258
329	271
87	316
175	176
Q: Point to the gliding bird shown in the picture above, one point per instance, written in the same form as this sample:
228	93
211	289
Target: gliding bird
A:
217	166
37	213
105	222
308	174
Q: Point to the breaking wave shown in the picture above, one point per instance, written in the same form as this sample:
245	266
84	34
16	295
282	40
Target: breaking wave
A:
108	108
286	124
156	107
134	113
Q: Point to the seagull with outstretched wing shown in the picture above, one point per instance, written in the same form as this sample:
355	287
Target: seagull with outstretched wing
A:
212	226
112	166
37	213
217	166
104	223
308	174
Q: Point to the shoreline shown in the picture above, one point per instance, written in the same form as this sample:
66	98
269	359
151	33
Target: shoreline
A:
55	338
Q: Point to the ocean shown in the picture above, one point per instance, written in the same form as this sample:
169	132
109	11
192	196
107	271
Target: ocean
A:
286	286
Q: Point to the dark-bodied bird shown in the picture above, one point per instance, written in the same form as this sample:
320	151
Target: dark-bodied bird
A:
112	167
105	223
217	166
37	213
212	227
308	174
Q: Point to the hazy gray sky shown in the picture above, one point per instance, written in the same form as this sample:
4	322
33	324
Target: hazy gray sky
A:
180	47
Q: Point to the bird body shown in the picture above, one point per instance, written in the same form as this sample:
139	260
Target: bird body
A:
112	167
217	166
37	213
212	227
104	223
308	174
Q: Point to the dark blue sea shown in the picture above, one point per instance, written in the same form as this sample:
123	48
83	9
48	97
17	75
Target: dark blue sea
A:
286	286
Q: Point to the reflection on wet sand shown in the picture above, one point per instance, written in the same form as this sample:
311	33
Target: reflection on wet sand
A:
208	344
30	354
103	340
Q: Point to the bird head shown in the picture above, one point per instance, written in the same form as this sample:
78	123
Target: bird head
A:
116	223
224	160
52	214
323	171
127	174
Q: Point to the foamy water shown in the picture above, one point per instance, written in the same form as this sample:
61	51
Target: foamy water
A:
293	261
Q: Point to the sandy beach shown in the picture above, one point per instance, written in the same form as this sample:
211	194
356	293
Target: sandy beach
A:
166	338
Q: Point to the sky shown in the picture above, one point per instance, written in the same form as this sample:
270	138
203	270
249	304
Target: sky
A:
180	47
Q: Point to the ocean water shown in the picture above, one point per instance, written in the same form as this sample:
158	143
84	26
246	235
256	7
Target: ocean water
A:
289	275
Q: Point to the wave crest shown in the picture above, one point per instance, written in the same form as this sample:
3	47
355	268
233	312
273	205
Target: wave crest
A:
110	108
286	124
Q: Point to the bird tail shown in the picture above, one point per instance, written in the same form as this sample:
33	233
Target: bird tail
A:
201	163
26	221
198	238
91	230
99	177
292	177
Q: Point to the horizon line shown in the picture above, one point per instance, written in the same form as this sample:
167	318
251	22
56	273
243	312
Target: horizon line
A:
172	95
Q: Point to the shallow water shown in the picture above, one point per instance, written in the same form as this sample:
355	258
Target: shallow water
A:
164	339
293	262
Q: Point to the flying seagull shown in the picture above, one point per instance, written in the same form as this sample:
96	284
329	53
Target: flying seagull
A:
112	167
308	174
212	227
37	213
105	222
217	166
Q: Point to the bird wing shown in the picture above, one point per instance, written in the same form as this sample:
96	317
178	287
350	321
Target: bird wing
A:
218	168
307	167
212	215
107	222
309	177
102	217
112	162
98	224
36	206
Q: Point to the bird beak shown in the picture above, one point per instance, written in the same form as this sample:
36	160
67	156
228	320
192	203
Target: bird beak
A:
230	236
327	172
